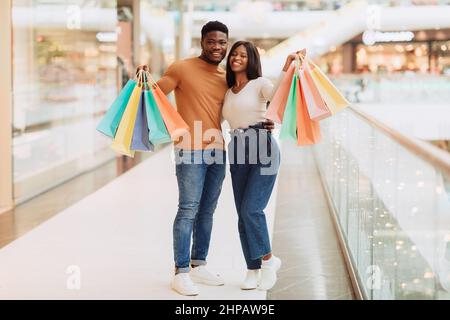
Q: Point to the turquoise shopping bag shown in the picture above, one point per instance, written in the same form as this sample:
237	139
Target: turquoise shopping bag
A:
110	122
289	126
158	131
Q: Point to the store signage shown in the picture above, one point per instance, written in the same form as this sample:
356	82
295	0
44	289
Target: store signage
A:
370	37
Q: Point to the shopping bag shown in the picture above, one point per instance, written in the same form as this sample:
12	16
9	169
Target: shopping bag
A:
158	132
124	135
308	131
277	106
109	123
289	124
175	124
317	108
334	100
140	140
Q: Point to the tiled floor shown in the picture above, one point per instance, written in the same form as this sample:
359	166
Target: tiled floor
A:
118	243
113	236
304	237
25	217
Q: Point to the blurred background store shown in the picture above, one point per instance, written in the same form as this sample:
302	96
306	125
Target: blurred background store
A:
391	58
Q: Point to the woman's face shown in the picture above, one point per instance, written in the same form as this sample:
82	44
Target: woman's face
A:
239	59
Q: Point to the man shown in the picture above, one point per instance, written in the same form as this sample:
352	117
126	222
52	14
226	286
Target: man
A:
200	86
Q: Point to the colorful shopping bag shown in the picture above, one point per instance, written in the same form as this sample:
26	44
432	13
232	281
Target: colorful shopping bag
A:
330	94
277	106
308	131
158	131
110	122
175	124
317	108
124	134
289	125
140	140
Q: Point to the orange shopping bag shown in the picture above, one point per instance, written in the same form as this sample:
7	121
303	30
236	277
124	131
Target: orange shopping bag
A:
277	106
175	124
308	131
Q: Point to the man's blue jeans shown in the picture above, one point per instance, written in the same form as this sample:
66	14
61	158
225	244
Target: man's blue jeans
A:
200	174
253	177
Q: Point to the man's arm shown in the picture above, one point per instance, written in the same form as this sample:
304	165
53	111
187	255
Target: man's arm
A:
167	84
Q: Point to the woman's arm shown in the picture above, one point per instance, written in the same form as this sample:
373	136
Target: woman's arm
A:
268	89
291	57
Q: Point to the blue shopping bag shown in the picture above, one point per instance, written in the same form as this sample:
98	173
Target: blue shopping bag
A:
110	122
158	131
140	140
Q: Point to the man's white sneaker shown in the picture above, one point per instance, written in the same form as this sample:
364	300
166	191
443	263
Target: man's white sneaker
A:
201	275
251	280
269	270
183	284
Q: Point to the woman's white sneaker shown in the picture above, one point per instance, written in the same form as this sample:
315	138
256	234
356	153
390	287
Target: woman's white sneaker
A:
251	280
269	270
183	284
201	275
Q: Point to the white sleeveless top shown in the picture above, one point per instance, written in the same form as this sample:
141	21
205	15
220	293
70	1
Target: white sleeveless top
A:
248	106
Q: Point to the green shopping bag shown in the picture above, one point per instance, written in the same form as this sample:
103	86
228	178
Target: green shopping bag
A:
158	131
289	126
110	122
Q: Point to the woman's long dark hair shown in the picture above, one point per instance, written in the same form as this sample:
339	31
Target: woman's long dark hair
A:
253	66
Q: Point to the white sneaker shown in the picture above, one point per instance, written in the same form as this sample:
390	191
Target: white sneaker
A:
269	270
183	284
251	280
201	275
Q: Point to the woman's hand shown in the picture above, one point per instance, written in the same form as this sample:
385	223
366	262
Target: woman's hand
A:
143	67
302	52
291	57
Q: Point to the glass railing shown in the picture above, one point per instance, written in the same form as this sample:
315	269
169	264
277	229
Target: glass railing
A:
391	201
396	88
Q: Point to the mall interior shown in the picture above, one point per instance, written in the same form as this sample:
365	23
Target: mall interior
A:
363	214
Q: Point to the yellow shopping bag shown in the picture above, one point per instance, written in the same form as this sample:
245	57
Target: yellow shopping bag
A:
124	135
334	100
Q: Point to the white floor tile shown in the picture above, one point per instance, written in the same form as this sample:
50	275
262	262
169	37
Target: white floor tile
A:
120	240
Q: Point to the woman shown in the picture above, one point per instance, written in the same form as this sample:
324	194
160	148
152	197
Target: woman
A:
254	159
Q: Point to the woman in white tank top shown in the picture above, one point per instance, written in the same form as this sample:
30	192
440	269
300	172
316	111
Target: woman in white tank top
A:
254	159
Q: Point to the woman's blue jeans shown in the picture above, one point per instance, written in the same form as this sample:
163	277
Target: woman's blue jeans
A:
254	162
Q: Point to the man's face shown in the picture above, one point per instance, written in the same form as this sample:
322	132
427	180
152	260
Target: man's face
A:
214	46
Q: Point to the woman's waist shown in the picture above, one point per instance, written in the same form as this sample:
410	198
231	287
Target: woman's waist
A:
256	127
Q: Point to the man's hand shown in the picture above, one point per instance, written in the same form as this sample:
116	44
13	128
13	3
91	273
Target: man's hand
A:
269	125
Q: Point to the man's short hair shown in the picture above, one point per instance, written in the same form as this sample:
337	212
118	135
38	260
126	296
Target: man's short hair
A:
214	26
